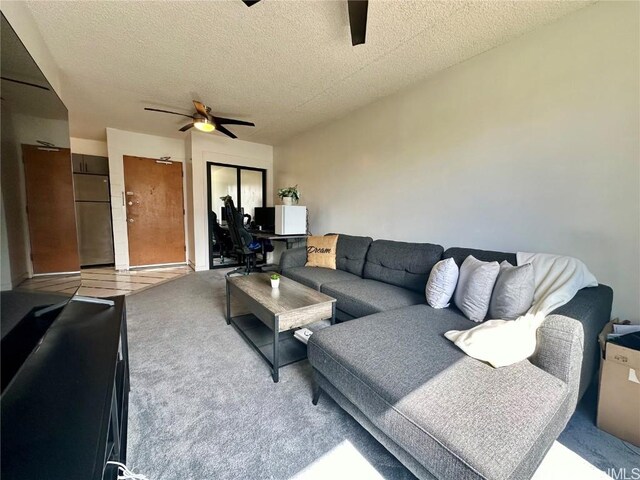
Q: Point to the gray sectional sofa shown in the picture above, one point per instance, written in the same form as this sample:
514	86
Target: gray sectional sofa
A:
441	413
371	277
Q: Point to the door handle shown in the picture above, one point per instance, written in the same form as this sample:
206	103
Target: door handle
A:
131	220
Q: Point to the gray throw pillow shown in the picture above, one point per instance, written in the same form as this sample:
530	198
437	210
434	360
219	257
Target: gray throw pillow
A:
475	284
513	293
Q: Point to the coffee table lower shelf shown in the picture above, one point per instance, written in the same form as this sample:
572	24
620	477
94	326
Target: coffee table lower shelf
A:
261	339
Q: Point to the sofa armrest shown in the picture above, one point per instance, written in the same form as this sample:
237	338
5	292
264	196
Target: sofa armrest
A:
559	351
592	308
294	257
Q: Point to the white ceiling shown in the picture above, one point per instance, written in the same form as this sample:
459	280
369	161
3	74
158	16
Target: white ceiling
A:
285	65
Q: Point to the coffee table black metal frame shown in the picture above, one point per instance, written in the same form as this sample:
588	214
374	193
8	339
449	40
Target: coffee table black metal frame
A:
261	330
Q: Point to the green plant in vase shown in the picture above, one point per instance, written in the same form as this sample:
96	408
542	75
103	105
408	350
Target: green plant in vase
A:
289	195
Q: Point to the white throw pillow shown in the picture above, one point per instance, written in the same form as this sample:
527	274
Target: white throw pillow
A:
442	283
513	292
475	284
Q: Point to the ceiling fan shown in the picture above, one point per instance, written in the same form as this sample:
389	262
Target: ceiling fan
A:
204	121
357	19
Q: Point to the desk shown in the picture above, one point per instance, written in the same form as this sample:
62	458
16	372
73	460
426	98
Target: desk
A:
266	235
290	239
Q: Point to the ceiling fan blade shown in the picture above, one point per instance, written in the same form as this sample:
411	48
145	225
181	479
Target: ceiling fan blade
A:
250	3
232	121
221	129
167	111
201	108
186	127
358	20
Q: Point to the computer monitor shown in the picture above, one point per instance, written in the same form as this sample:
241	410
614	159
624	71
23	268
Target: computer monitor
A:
265	217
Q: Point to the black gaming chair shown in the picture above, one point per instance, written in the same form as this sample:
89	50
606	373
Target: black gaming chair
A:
243	244
221	237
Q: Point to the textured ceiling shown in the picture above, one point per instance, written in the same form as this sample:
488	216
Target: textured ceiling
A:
285	65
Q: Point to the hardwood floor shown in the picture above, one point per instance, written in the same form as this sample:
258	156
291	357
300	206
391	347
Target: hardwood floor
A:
105	282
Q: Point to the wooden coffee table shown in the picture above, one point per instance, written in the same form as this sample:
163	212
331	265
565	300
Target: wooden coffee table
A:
275	314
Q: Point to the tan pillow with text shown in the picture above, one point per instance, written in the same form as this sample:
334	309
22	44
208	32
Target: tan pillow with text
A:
321	251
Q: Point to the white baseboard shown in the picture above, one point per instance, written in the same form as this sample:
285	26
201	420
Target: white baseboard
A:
35	275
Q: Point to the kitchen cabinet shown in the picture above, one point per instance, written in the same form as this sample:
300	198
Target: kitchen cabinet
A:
91	164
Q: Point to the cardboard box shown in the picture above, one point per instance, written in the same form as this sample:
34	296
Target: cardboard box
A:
619	399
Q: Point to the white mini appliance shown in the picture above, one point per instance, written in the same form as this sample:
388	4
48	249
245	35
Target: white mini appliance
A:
291	220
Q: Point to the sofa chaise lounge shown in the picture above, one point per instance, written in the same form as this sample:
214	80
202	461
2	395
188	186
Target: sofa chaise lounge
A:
441	413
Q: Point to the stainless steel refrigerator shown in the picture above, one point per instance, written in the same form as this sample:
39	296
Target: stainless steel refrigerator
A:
93	216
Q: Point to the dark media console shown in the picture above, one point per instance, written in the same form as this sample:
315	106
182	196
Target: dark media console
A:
64	414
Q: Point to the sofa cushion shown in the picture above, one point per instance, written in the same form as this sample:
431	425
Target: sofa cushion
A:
314	277
460	254
351	252
402	264
343	316
458	417
363	297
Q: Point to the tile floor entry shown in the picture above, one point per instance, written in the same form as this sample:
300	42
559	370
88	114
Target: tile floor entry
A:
105	282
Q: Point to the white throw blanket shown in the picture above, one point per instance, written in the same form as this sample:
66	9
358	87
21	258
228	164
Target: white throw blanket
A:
504	342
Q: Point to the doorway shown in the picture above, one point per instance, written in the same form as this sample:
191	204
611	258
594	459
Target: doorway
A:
248	188
155	211
50	209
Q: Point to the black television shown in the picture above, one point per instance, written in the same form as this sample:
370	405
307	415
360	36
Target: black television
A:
26	318
32	113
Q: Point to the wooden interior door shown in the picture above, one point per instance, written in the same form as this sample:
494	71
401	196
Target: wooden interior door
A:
155	214
51	209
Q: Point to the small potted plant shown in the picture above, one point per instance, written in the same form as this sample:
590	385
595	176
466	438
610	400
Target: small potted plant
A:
275	280
289	195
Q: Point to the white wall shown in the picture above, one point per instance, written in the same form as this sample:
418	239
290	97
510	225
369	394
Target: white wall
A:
214	148
89	147
532	146
120	143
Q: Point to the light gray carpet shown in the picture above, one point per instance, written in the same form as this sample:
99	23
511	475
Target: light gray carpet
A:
203	405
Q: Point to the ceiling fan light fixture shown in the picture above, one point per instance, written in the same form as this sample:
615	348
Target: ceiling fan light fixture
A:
204	125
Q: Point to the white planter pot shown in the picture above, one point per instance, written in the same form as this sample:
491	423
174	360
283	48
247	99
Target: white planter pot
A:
275	283
287	200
